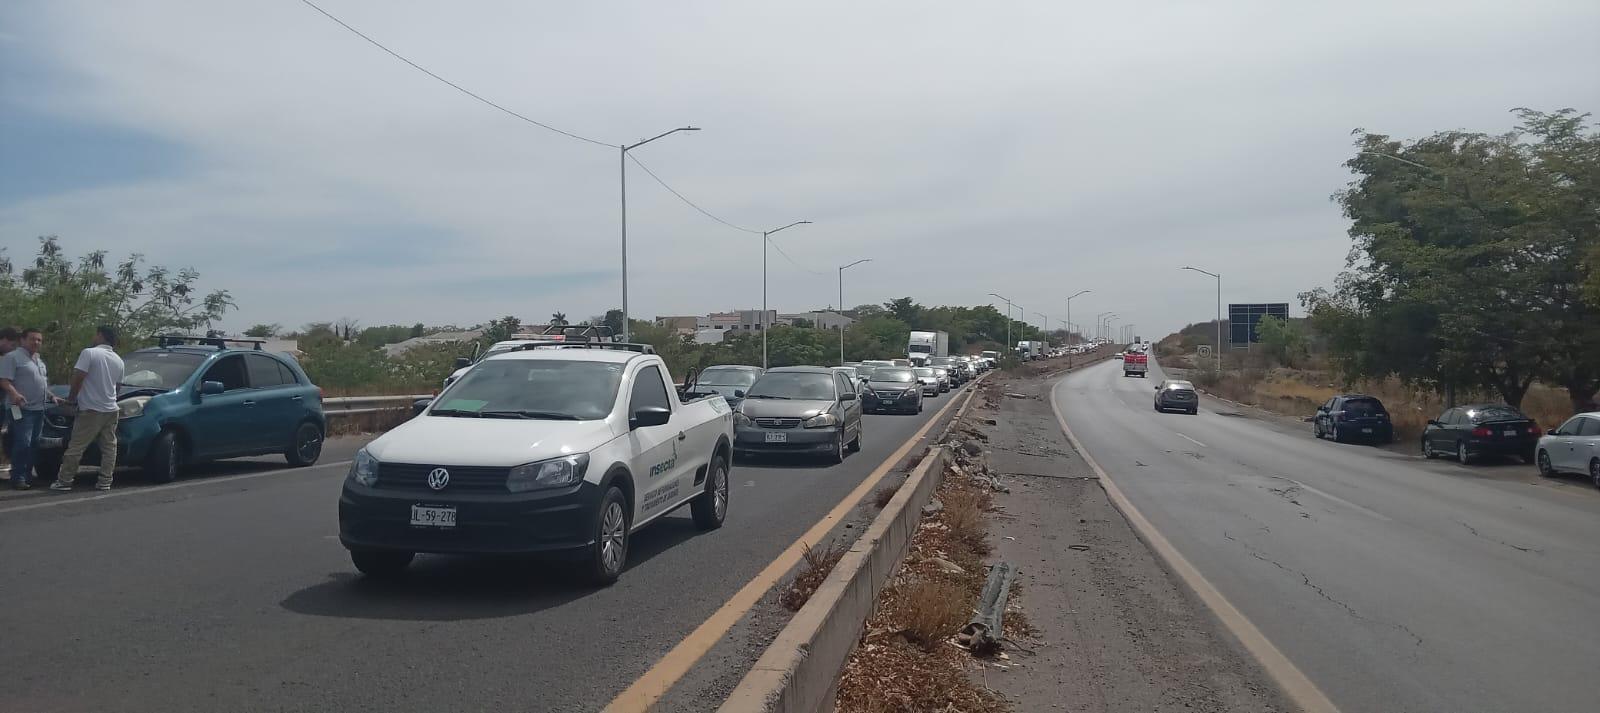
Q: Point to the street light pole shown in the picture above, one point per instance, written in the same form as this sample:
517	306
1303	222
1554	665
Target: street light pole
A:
841	304
1219	309
762	322
1046	326
1069	322
623	157
1008	321
1098	319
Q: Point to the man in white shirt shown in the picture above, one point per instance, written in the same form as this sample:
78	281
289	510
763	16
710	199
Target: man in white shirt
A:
94	390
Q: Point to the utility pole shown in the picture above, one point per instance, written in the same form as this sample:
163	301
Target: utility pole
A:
841	304
1219	312
762	322
623	155
1008	321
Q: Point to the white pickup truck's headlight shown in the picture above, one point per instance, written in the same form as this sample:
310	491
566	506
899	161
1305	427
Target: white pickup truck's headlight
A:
552	473
739	419
132	408
822	421
364	468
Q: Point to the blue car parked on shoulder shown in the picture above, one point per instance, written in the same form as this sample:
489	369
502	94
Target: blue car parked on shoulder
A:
197	399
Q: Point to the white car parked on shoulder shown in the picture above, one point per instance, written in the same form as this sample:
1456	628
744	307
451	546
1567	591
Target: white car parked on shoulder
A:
566	450
1572	448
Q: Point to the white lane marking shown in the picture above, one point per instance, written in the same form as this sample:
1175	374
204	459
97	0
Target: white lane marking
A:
173	486
1191	440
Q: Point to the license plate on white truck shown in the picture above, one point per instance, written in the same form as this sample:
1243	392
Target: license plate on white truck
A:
433	516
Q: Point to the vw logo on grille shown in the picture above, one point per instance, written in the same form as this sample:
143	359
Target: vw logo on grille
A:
438	478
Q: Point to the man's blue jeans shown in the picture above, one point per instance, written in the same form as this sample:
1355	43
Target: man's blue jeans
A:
24	445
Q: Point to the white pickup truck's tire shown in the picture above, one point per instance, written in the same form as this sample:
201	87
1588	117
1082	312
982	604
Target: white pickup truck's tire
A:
609	553
711	508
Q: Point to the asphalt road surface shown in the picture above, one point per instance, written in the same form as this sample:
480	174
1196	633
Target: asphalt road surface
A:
1394	583
231	592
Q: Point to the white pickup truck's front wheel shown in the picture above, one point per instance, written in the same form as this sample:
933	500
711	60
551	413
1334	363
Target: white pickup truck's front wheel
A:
609	553
711	508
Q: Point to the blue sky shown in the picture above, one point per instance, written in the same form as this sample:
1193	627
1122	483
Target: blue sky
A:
1030	149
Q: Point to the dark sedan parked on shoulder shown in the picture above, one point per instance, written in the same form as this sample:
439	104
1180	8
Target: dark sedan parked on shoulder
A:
799	409
1471	432
1349	417
1177	396
892	389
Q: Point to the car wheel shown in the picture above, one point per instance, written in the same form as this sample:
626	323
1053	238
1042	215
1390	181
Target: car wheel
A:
1194	411
381	564
307	446
709	510
1338	436
855	445
1594	471
1545	469
609	553
1316	429
837	456
1427	452
1462	454
165	458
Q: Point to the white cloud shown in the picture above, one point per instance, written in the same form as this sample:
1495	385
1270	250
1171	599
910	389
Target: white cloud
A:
1015	148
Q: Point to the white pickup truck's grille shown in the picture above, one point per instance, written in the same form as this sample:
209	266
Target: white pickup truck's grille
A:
778	422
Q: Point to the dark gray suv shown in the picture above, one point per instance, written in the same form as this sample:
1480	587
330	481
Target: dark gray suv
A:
799	409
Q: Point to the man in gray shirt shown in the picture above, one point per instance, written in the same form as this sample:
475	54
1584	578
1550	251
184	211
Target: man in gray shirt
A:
23	379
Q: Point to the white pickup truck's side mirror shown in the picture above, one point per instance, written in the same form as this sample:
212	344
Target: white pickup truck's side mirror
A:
647	416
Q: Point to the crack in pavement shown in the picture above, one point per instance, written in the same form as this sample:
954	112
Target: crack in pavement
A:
1305	579
1518	548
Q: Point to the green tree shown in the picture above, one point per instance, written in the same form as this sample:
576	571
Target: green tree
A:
613	319
66	298
904	309
417	330
263	331
558	318
1467	262
500	330
1284	340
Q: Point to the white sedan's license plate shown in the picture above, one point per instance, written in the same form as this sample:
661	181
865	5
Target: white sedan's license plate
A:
777	437
433	516
1509	432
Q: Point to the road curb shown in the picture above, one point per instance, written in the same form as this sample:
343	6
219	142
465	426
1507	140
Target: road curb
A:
799	671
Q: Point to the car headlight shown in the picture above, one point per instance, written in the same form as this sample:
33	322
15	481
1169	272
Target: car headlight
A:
822	421
553	473
364	468
739	419
132	408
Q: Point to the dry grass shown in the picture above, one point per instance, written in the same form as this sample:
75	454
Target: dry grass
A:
905	661
965	513
814	568
933	611
884	494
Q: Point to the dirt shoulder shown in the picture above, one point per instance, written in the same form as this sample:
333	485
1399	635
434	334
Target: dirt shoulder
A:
1112	629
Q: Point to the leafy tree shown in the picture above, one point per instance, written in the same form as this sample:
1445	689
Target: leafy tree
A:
67	299
1283	339
613	319
500	330
904	309
417	330
803	323
1468	260
558	318
387	334
263	331
347	328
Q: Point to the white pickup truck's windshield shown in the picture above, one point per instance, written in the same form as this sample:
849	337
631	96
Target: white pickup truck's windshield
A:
533	388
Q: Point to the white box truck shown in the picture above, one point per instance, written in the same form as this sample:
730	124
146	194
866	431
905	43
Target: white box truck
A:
1030	350
923	346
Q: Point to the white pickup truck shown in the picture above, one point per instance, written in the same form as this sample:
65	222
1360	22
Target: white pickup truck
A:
556	450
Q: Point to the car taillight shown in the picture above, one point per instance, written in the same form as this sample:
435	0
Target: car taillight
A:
1338	415
1480	432
1534	430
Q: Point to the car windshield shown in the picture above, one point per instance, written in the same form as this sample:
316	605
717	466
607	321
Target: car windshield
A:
1363	407
1180	385
924	371
159	370
533	388
1495	413
726	377
798	385
902	376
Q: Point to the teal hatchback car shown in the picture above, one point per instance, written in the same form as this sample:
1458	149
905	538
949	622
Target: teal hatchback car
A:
200	399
